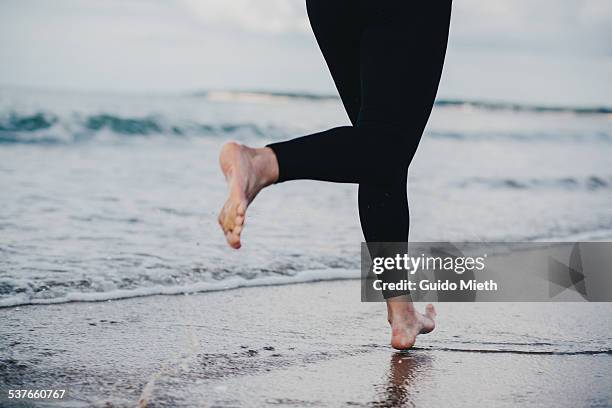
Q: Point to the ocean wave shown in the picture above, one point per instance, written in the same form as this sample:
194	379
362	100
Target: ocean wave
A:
262	96
27	123
590	183
555	136
45	127
266	96
516	107
234	282
49	128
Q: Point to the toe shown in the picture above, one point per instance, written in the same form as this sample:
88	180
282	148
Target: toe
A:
233	240
228	221
239	220
430	310
241	209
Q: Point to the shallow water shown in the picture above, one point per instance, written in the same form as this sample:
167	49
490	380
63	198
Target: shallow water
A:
306	345
109	196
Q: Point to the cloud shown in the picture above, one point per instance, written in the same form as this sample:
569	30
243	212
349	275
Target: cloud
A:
267	16
583	26
189	44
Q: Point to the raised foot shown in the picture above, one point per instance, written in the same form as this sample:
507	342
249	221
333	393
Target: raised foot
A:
247	171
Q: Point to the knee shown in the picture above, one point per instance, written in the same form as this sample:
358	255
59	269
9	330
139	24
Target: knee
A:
388	148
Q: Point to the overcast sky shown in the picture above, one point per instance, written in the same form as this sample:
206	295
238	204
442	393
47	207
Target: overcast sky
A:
538	50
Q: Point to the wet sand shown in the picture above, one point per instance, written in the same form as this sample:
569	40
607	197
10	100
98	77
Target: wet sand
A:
305	345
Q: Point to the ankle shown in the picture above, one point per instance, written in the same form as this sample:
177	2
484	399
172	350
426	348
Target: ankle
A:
266	164
400	309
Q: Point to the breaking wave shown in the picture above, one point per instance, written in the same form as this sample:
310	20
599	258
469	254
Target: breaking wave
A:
570	183
49	128
234	282
263	96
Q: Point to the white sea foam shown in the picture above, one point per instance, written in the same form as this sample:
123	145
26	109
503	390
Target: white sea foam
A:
226	284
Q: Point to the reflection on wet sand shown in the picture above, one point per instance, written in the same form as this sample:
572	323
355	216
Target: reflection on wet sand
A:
404	372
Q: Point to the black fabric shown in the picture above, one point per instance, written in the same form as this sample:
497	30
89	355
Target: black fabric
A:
386	59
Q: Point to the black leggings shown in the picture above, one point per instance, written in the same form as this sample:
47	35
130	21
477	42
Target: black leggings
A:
386	58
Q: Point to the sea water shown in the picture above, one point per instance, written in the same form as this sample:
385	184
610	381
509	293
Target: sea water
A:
108	196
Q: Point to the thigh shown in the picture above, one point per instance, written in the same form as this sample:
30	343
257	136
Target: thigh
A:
401	57
337	28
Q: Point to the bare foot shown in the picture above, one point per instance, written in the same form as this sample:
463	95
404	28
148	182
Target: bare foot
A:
247	171
406	323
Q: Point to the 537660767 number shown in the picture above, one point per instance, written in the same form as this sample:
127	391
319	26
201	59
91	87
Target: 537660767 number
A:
36	394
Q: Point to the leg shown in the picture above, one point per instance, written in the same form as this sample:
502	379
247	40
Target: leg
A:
383	206
401	52
401	55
